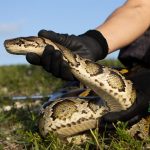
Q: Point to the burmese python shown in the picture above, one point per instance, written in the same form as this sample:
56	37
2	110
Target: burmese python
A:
69	116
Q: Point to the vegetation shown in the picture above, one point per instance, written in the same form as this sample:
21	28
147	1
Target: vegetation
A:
18	126
26	80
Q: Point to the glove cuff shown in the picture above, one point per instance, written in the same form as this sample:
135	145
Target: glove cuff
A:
100	39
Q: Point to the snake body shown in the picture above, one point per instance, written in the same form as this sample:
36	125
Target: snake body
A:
106	82
69	116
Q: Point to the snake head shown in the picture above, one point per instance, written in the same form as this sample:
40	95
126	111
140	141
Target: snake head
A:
22	46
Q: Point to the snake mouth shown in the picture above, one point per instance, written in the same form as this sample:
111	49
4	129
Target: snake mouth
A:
13	46
9	46
6	45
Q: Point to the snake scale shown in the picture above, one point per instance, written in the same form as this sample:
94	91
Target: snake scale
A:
69	116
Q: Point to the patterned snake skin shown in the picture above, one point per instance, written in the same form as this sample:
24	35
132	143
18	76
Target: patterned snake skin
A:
70	116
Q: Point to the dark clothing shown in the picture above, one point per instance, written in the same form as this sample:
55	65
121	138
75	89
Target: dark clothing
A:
136	57
138	52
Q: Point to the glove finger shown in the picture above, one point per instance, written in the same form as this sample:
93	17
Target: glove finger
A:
116	116
123	115
65	72
103	125
134	120
55	37
46	57
33	58
55	63
140	106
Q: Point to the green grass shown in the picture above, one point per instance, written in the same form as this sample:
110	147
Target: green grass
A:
26	80
19	127
111	63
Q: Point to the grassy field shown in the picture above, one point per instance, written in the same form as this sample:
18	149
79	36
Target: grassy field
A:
19	126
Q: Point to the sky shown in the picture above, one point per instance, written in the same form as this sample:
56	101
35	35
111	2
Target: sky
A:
26	18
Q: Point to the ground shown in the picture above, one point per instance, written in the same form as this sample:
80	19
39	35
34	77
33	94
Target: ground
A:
19	119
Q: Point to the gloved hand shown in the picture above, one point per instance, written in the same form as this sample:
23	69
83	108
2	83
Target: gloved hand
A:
140	108
91	45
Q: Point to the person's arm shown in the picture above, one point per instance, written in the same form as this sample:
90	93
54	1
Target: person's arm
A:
122	27
126	24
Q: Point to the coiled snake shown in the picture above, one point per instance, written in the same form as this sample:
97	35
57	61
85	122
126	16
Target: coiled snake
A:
70	116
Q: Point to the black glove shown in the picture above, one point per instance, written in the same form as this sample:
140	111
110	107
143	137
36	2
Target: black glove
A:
91	45
105	125
141	107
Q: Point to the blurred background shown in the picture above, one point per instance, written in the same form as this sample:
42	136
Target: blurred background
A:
26	18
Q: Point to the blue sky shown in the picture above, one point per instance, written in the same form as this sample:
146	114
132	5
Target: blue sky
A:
26	18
